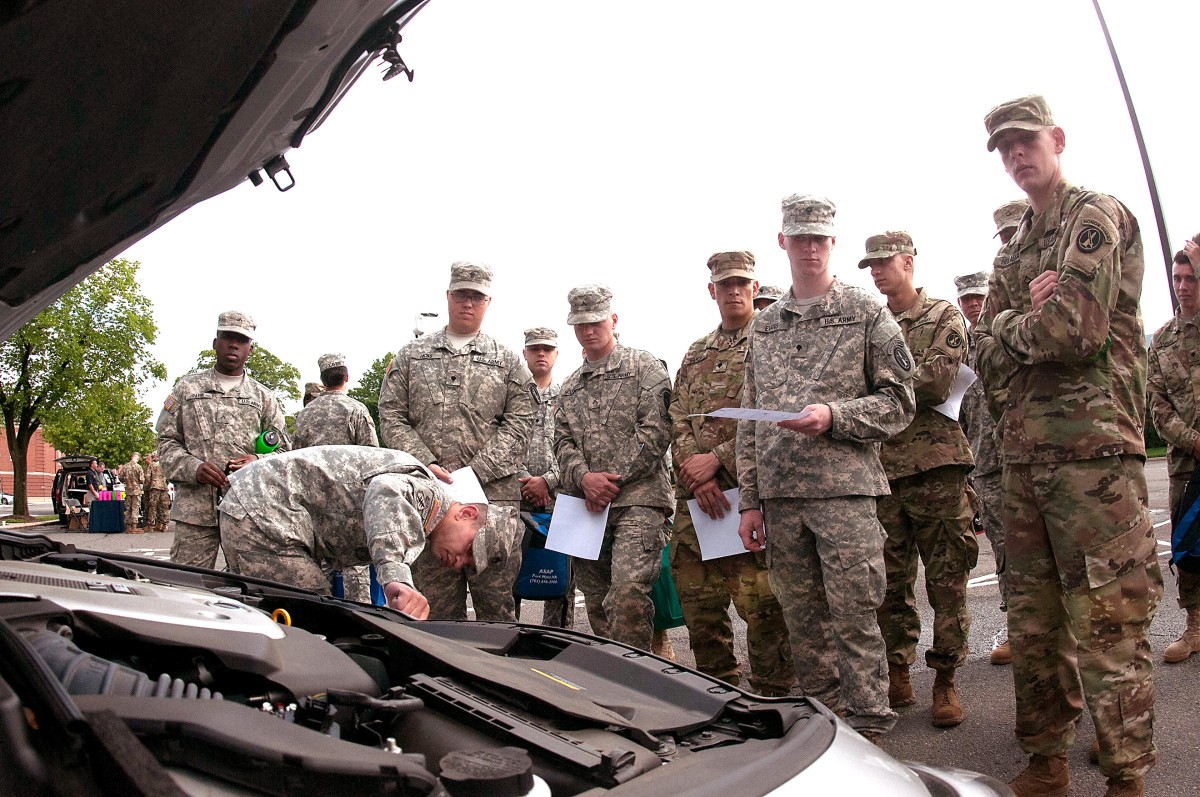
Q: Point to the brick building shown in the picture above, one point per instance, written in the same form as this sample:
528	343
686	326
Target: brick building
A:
40	470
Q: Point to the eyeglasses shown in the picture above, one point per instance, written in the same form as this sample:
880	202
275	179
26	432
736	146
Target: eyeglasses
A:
462	297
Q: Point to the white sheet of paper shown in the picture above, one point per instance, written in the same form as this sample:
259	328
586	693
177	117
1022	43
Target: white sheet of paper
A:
962	381
465	488
718	538
751	414
574	530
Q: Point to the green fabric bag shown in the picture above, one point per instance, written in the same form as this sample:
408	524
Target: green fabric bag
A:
667	611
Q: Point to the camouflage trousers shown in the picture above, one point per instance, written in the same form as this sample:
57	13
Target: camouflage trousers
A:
133	508
705	590
1082	557
825	560
929	515
194	545
616	587
157	506
991	502
491	590
356	583
254	551
1188	583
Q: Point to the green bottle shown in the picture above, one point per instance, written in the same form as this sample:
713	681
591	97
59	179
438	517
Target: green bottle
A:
266	442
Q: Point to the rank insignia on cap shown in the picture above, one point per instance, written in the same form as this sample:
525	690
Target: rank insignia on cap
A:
1089	239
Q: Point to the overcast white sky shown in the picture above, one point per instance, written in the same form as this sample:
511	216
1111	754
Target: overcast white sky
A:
564	143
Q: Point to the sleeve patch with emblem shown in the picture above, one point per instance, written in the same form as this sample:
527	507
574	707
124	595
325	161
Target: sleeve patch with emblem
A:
169	404
954	340
1089	239
901	356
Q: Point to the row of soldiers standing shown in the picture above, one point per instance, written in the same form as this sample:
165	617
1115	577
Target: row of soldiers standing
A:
146	495
837	503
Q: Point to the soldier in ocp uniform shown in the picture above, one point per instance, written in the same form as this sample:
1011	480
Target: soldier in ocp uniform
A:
207	429
980	430
1060	341
293	517
611	435
1174	393
704	452
928	512
458	398
132	476
157	500
807	486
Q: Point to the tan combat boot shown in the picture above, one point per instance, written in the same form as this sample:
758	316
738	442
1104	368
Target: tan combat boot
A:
1001	648
1188	643
946	711
1045	776
900	691
1124	788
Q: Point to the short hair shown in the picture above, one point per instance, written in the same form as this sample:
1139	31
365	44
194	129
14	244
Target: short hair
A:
335	377
1181	258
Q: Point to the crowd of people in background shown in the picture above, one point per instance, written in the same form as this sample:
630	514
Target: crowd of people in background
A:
877	468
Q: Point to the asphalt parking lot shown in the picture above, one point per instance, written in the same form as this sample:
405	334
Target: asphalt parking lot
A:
984	741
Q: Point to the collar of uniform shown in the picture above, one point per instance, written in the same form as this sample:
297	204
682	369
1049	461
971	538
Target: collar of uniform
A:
214	383
479	344
548	393
918	307
737	336
832	298
1048	221
601	366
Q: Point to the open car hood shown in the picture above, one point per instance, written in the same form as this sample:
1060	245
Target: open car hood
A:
119	115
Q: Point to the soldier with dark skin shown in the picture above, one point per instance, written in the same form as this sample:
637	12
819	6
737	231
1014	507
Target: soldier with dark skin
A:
928	512
705	457
1174	398
1061	349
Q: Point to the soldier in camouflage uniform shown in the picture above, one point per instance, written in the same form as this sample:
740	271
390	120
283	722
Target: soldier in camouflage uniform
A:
332	418
207	429
703	450
131	475
156	499
311	391
1174	395
539	476
457	398
611	434
293	517
1061	333
767	296
928	511
807	486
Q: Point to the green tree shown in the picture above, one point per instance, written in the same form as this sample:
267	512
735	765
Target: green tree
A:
282	379
108	421
367	389
97	333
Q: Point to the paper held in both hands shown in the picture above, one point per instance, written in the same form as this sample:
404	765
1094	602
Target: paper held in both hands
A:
574	530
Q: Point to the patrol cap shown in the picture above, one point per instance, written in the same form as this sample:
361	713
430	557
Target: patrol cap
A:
233	321
886	244
727	265
589	304
1009	215
327	361
972	284
806	214
496	537
1023	113
541	336
769	292
313	389
466	276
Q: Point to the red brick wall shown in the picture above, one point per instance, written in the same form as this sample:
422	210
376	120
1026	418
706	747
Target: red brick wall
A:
40	467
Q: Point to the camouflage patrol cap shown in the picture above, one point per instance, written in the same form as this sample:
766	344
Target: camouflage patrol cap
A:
589	304
1009	215
313	389
1023	113
496	538
541	336
769	292
972	284
233	321
806	214
466	276
886	244
327	361
727	265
